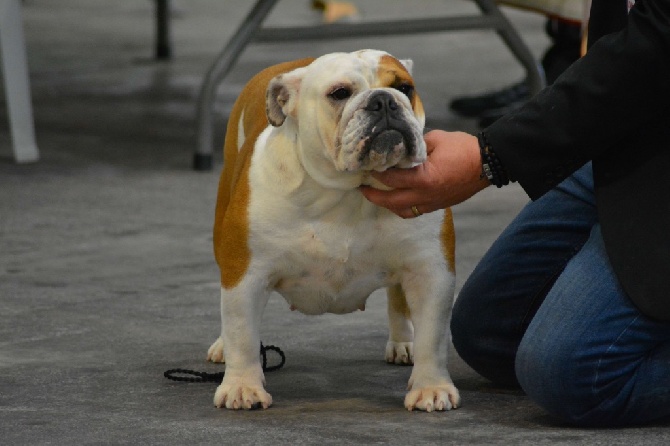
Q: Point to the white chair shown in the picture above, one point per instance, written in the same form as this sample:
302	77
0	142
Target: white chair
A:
17	83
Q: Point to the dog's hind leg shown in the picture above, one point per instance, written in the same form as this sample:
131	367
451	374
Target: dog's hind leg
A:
400	346
215	352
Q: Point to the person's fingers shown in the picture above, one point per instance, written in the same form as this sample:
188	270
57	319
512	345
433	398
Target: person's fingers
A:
410	212
404	213
432	139
396	199
400	178
393	200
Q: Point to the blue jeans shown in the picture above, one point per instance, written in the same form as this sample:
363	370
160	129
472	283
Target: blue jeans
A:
544	310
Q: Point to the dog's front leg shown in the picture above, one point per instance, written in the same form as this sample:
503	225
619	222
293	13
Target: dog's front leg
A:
430	301
243	383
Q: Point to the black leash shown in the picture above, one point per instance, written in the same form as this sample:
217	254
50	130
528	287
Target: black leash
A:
202	377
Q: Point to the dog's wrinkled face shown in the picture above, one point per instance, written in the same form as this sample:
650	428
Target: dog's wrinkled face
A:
361	107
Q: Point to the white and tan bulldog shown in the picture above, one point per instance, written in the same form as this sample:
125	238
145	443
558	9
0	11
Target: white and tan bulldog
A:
301	139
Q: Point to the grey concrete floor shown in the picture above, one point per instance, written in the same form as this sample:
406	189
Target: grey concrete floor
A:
106	273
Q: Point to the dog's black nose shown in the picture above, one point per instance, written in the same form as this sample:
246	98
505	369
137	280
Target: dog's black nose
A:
381	101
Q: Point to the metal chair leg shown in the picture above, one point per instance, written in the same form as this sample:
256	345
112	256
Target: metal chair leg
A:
17	83
163	35
223	63
534	71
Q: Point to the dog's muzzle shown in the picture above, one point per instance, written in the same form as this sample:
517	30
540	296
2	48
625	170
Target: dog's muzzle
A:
388	130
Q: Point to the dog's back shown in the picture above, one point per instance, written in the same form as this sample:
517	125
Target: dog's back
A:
246	121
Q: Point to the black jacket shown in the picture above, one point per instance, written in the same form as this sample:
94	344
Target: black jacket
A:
613	107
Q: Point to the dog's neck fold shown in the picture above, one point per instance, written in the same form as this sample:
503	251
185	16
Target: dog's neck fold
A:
315	162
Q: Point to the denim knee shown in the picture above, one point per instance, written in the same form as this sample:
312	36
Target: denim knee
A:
563	381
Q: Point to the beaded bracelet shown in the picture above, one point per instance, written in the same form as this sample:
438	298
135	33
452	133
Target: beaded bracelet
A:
492	168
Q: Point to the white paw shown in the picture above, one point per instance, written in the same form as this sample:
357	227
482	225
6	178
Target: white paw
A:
240	394
400	352
215	352
430	398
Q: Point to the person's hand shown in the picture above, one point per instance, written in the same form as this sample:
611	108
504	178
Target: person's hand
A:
450	175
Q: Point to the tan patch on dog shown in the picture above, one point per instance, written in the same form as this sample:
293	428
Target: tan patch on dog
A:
391	73
231	221
448	239
398	301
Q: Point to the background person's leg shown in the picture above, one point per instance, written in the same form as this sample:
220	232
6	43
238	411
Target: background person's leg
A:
589	356
488	107
508	285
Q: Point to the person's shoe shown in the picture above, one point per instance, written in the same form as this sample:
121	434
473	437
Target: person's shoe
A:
496	103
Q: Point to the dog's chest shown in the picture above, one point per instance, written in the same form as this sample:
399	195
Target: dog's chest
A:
330	270
324	249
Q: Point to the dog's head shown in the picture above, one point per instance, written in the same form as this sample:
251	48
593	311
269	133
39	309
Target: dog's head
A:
360	110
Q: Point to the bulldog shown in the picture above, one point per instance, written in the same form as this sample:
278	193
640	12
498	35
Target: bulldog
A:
301	138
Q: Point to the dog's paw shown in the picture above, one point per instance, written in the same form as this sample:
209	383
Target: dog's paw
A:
400	353
430	398
238	394
215	352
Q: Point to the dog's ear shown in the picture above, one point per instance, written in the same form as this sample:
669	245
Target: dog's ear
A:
282	96
408	64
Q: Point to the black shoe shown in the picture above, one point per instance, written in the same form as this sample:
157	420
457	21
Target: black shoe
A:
491	104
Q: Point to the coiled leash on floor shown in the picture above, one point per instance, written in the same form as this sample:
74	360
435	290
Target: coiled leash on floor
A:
202	377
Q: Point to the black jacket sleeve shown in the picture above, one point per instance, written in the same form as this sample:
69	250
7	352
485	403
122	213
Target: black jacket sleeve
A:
604	98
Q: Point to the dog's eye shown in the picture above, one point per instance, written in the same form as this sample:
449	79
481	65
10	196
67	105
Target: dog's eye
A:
405	89
340	94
